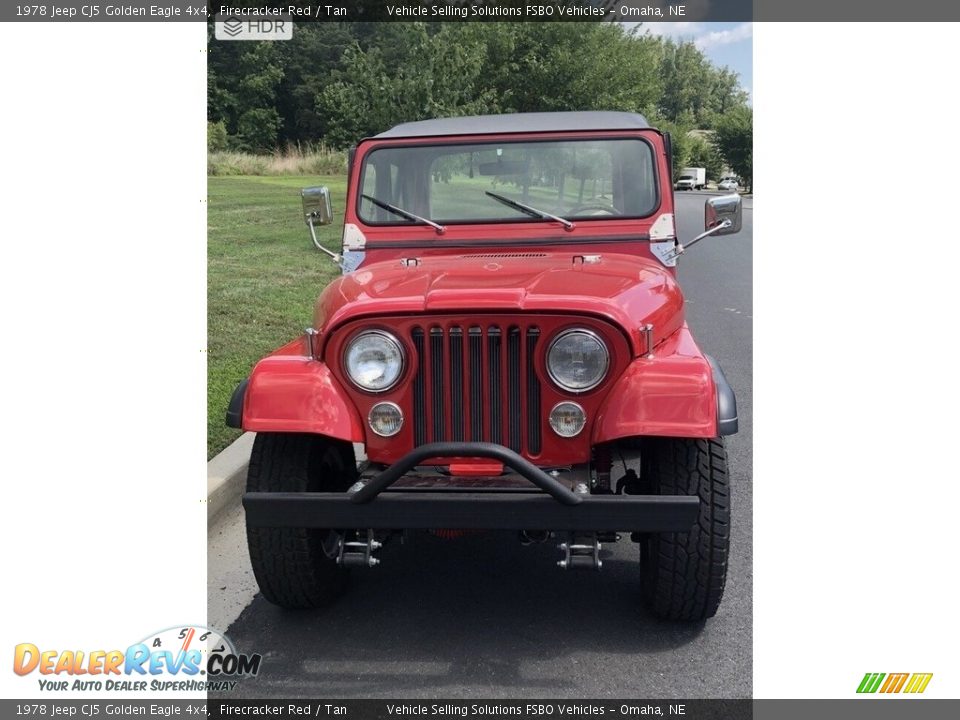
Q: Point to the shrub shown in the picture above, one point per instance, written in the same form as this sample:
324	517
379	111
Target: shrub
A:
216	136
294	160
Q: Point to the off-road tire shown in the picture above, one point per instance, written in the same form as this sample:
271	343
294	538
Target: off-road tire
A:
296	567
684	573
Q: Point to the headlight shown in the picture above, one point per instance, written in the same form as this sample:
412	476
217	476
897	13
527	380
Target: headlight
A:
577	360
385	419
374	360
567	419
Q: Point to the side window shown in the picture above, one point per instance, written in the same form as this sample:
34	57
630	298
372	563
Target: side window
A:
369	188
380	180
395	178
636	189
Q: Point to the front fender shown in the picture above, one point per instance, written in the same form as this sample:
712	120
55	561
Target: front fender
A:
295	394
673	394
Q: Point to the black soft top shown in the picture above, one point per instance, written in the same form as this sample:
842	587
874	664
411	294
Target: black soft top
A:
518	123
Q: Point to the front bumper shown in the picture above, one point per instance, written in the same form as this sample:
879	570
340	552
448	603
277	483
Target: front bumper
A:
547	505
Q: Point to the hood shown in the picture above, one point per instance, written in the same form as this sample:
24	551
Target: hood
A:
627	290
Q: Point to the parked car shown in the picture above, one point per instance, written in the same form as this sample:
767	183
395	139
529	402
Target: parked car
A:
508	343
728	184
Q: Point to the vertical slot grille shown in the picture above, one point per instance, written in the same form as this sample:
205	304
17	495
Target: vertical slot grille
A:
436	383
513	389
478	383
419	392
496	391
456	384
533	394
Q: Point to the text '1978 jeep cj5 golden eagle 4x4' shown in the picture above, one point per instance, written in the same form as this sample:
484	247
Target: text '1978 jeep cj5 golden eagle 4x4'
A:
507	342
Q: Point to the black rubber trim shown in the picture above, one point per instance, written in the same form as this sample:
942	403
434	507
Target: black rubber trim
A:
433	451
235	408
469	511
727	421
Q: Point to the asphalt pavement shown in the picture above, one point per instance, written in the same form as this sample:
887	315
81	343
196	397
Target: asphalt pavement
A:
482	616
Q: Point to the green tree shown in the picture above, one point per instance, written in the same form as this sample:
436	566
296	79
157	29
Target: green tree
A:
704	154
242	82
694	91
310	59
680	141
257	129
733	139
337	82
571	66
216	136
435	78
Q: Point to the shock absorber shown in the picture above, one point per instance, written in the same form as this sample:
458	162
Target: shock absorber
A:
602	463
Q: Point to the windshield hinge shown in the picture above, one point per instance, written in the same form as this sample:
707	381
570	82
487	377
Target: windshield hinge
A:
647	332
311	338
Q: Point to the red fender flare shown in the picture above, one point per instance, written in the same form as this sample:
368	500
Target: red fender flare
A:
671	394
296	394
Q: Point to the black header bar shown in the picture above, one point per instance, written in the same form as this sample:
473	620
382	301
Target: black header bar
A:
478	10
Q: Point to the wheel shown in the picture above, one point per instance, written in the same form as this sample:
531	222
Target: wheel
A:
297	567
684	573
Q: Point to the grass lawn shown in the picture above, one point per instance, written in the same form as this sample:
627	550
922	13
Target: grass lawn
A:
263	276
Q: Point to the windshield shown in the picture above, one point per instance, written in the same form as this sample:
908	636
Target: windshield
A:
594	179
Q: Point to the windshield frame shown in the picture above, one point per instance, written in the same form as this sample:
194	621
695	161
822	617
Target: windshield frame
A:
500	140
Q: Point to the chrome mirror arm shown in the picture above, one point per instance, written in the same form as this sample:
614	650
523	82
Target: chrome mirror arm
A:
337	258
679	250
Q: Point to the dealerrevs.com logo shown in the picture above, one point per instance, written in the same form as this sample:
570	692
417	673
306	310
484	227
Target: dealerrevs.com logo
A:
183	659
273	27
909	683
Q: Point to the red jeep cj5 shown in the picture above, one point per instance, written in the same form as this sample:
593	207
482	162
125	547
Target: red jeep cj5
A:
507	342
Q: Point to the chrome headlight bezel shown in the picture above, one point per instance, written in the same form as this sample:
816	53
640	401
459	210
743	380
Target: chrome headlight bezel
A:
605	351
389	338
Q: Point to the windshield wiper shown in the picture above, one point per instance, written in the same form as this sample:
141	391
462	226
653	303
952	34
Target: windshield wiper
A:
532	211
405	214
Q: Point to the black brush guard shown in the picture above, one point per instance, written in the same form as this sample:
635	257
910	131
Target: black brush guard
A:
377	507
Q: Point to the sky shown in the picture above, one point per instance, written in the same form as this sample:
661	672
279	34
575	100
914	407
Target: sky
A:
727	44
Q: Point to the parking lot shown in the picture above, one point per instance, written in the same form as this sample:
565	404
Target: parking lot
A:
482	616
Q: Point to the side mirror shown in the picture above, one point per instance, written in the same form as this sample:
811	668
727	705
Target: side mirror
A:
719	209
318	210
317	206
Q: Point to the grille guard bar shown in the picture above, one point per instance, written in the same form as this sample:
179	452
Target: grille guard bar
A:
492	451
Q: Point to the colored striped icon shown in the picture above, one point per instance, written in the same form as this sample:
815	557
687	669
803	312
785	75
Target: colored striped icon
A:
894	682
918	683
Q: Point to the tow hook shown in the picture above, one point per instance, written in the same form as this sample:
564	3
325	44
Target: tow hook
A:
581	552
359	552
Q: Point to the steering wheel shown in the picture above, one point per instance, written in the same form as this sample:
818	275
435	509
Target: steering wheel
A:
608	209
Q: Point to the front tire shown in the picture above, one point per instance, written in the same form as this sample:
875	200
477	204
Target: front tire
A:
684	573
296	568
